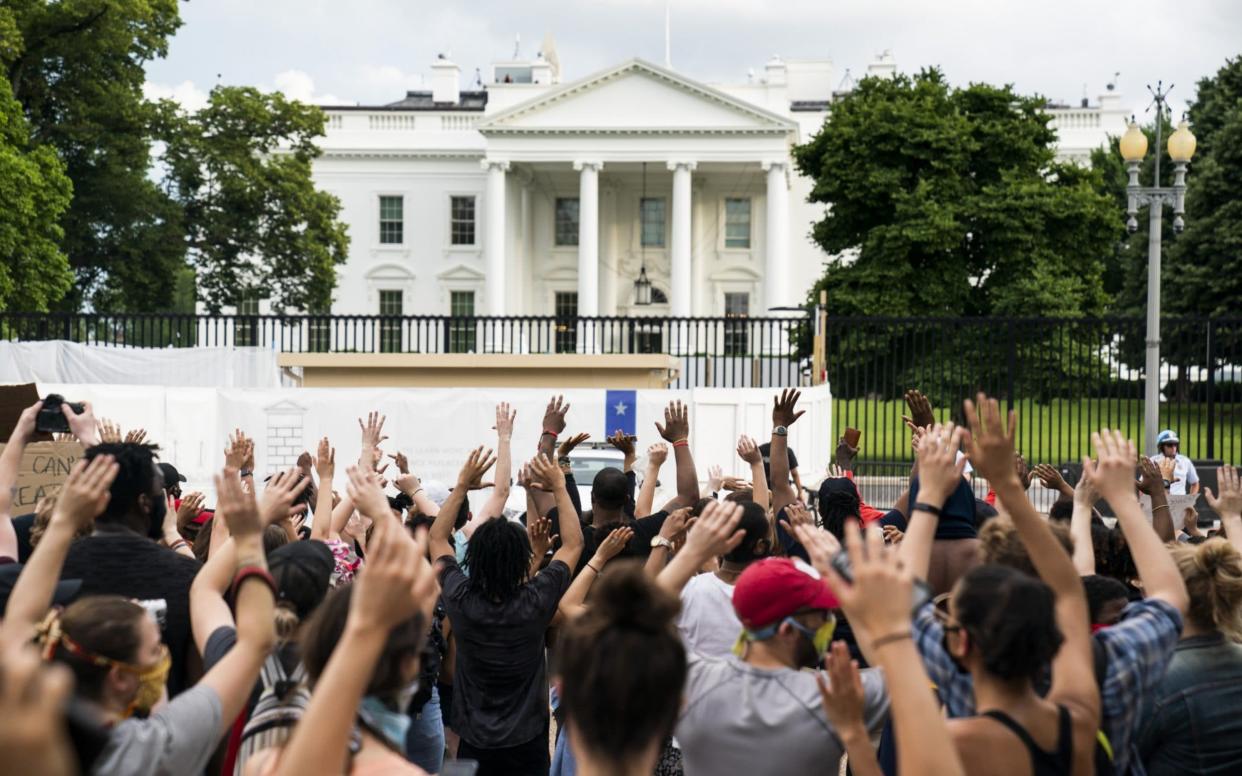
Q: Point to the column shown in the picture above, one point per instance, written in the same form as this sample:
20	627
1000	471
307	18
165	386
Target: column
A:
776	229
679	299
588	237
494	245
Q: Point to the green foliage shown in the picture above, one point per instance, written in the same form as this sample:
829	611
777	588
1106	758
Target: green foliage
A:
948	201
77	68
255	224
34	190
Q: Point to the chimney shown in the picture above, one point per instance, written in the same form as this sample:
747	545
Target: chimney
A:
445	86
775	71
884	65
540	70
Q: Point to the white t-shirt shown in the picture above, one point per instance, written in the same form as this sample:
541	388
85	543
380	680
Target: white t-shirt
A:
707	622
1184	473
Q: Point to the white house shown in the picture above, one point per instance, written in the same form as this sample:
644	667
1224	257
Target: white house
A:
533	196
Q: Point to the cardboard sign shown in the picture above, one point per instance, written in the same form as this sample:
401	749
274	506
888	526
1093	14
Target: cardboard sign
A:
1177	507
43	470
14	399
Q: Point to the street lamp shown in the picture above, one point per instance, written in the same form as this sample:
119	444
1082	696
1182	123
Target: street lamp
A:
1133	146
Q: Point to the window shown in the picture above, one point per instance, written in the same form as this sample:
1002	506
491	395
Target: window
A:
566	310
244	334
461	217
392	220
461	325
737	308
319	333
652	217
567	222
737	223
390	310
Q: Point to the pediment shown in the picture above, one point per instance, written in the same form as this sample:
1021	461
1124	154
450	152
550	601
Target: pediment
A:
636	96
461	272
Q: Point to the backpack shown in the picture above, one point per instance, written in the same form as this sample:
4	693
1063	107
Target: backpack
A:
281	704
1104	756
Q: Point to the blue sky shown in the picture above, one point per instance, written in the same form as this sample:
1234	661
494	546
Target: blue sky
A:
371	51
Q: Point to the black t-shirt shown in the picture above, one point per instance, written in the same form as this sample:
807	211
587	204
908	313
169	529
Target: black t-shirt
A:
765	450
500	688
645	529
120	562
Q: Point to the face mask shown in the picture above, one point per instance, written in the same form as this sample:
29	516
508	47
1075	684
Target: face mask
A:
150	685
381	719
158	511
820	638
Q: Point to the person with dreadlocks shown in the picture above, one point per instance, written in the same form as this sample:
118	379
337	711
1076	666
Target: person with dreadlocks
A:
499	615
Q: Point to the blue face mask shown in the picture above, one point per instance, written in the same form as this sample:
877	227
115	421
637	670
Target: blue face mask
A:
379	716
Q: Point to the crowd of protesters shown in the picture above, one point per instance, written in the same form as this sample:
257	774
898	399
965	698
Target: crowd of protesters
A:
356	620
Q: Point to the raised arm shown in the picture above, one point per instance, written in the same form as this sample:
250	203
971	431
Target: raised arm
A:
715	533
748	451
1052	479
1080	526
1113	477
939	475
397	584
784	415
10	461
571	604
991	451
372	437
495	504
82	426
624	444
1228	505
476	465
549	473
551	427
325	468
1151	482
657	454
84	495
233	677
676	431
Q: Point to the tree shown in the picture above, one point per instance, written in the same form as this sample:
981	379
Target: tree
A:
35	191
78	71
949	202
240	169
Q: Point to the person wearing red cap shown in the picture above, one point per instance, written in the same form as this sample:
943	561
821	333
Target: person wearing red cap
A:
743	707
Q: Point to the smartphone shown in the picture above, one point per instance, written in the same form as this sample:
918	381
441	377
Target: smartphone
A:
852	435
922	591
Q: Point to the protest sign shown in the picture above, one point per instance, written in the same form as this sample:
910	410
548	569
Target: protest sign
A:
42	471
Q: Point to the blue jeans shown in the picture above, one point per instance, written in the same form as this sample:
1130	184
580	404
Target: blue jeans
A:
424	744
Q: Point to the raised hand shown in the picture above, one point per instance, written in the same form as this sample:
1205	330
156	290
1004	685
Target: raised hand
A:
109	432
325	463
784	408
554	415
613	544
281	491
676	426
879	599
748	451
939	470
25	427
235	453
1150	475
657	454
990	443
81	426
797	514
716	532
1023	471
401	462
136	436
505	416
1168	469
921	414
539	529
191	506
734	484
1113	474
1051	478
547	473
842	695
238	508
674	526
568	445
364	488
893	534
820	545
477	463
372	430
715	477
845	455
409	484
32	703
622	442
86	492
1229	486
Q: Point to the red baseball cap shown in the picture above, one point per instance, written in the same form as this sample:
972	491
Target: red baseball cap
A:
770	590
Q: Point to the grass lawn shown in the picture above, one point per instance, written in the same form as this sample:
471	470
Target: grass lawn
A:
1053	433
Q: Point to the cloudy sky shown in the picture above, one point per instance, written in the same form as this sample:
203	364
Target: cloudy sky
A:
371	51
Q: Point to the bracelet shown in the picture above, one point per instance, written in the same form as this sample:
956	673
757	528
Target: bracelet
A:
925	507
178	545
552	434
246	473
1162	506
592	568
890	638
682	443
246	572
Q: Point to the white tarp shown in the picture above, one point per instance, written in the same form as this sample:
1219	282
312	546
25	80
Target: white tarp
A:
435	427
71	362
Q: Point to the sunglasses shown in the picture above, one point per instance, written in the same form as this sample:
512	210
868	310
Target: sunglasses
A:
940	609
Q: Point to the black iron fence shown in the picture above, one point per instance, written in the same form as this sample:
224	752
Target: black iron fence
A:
1065	377
716	352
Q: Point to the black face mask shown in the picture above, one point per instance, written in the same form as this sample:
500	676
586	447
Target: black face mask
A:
159	509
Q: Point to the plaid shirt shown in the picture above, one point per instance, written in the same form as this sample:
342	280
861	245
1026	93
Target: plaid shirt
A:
1138	651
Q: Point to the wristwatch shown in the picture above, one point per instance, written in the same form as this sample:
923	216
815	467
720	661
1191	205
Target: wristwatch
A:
780	431
660	541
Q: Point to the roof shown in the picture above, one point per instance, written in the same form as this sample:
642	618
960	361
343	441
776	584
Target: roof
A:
469	102
813	106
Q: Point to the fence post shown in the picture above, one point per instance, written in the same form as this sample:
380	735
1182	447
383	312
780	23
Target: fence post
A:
1211	394
1012	365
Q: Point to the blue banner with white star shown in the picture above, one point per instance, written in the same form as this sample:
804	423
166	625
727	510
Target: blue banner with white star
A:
620	411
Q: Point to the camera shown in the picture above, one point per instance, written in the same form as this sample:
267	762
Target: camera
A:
51	419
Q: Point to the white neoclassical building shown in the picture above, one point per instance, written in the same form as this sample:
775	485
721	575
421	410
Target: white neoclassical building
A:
531	196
